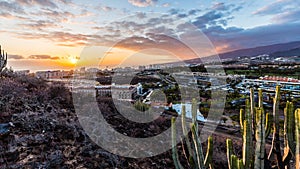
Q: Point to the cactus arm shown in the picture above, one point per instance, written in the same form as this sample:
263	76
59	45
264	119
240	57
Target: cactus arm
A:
297	138
209	153
247	146
260	98
229	152
289	118
252	107
241	165
198	148
174	145
242	118
260	137
291	128
185	133
194	111
234	162
247	136
248	115
268	125
275	149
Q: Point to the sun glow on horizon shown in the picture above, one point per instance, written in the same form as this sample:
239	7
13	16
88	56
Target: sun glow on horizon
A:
73	60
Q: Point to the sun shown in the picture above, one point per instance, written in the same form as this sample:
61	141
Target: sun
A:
73	60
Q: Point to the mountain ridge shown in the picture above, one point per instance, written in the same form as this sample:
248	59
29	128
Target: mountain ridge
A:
268	49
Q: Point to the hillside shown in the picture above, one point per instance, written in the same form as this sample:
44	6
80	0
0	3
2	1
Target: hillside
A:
276	49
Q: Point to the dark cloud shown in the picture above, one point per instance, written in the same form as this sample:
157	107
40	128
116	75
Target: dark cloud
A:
55	15
55	58
142	3
16	57
208	18
7	15
60	38
194	11
107	8
182	15
11	7
44	3
219	30
174	11
141	15
219	15
39	25
43	57
66	1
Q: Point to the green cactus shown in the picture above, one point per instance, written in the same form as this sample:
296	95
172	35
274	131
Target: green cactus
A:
209	153
3	59
260	139
247	144
268	124
242	117
174	146
252	110
283	160
240	165
275	150
263	123
234	162
185	133
289	128
246	122
229	152
196	158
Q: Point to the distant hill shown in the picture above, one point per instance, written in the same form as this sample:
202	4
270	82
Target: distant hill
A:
289	49
284	49
292	52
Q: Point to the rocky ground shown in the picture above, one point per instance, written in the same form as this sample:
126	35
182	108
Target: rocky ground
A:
47	133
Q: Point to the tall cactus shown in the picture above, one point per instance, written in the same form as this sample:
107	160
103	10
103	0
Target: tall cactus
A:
3	59
275	150
229	153
289	128
262	130
196	158
283	160
252	111
260	139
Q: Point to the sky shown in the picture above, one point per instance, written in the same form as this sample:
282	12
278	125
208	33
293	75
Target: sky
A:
65	34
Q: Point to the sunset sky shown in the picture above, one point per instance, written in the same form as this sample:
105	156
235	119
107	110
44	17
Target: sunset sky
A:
54	34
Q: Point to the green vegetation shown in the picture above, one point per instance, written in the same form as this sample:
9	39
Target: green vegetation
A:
277	71
141	106
255	118
254	122
196	158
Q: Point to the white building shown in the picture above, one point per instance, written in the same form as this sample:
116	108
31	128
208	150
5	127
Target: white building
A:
120	92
